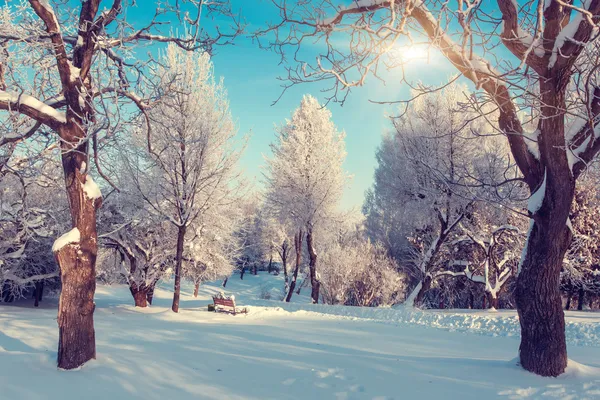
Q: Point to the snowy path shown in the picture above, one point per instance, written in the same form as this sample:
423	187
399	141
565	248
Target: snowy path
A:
270	354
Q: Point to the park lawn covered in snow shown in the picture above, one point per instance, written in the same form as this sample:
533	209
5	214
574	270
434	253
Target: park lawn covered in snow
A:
284	351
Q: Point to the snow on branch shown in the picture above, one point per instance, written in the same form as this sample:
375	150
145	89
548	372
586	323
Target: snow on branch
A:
31	107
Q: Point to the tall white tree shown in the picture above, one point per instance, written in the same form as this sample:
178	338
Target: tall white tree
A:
184	161
305	177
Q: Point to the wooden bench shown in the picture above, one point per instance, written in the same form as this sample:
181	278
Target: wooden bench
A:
224	304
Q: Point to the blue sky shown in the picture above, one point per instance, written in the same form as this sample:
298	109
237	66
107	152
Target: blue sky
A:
250	75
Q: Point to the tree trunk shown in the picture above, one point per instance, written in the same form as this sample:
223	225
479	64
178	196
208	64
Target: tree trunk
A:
314	281
580	299
77	260
543	349
300	286
285	270
150	294
178	264
471	300
569	298
493	301
225	281
424	288
242	273
196	288
140	297
37	294
298	247
270	263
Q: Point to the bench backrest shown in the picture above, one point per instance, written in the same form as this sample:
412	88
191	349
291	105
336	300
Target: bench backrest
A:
224	302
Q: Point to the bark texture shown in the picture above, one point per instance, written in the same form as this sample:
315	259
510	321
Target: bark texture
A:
141	298
543	348
77	261
178	264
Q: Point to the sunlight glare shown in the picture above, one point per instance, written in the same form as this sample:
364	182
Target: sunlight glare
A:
410	53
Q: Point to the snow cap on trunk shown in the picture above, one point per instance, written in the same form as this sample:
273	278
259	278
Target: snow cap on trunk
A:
91	190
73	236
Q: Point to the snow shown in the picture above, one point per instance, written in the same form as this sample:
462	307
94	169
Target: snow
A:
33	103
285	351
369	3
531	140
73	236
567	33
74	73
91	190
573	154
537	198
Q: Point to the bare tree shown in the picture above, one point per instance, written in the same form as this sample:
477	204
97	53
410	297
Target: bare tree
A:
553	74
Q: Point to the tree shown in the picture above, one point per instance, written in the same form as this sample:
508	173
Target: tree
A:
137	242
188	169
580	269
555	55
497	260
355	271
430	173
30	215
213	249
305	178
69	75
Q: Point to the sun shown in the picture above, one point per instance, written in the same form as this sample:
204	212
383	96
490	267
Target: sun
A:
413	52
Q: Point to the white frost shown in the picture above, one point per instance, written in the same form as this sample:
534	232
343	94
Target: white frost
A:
73	236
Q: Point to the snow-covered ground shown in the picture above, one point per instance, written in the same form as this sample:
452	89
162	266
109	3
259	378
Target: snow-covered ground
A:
285	351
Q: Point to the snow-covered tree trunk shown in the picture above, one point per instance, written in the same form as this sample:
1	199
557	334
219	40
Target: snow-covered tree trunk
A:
298	248
416	297
283	254
312	264
178	263
543	345
77	258
423	288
